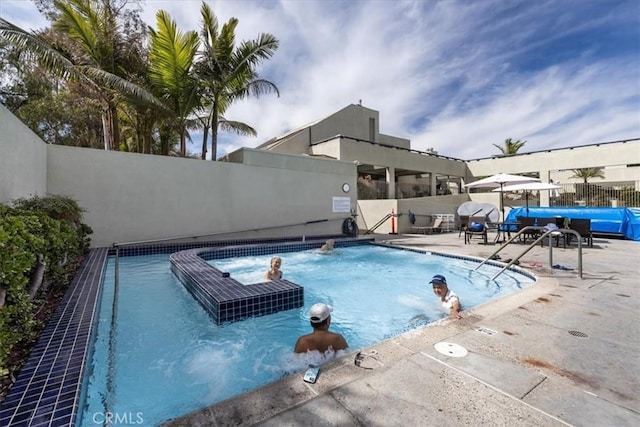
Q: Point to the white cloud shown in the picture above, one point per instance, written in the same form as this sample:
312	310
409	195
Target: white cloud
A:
454	75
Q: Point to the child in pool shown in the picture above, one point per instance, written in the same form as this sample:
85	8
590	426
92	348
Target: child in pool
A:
274	273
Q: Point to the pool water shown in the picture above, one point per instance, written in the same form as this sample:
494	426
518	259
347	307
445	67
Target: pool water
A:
171	358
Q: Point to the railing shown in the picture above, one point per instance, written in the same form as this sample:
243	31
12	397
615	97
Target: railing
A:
407	191
532	245
379	223
200	236
371	189
607	194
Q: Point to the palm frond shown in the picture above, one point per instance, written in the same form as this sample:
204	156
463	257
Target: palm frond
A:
238	128
110	81
31	44
73	20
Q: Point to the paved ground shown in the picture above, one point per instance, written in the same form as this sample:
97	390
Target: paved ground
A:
563	352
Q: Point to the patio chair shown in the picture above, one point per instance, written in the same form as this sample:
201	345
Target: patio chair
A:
430	228
526	221
582	226
556	235
464	220
469	232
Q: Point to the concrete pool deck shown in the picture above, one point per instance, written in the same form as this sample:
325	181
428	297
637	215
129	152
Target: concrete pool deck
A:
562	352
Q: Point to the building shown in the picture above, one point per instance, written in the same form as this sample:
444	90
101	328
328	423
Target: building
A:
433	184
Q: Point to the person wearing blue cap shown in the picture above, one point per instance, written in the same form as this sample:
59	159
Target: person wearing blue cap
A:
448	298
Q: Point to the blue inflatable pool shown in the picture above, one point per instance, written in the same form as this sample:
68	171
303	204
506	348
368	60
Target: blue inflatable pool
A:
618	221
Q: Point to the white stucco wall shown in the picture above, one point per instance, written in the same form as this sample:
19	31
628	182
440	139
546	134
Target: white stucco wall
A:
23	159
353	121
613	154
375	155
614	157
135	197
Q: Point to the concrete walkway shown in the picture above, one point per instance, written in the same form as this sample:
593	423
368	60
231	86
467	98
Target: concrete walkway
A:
562	352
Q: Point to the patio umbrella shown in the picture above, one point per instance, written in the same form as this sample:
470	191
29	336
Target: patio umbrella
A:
528	186
499	181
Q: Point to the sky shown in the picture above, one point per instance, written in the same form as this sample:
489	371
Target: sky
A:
453	76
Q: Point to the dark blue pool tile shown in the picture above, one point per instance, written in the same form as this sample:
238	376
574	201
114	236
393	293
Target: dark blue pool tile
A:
16	420
62	420
58	357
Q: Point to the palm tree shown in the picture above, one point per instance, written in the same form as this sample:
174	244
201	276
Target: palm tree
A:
94	27
97	60
510	147
171	59
227	74
587	173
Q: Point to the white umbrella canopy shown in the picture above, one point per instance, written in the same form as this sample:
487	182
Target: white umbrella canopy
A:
499	181
528	186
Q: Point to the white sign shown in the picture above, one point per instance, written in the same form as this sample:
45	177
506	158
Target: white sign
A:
341	204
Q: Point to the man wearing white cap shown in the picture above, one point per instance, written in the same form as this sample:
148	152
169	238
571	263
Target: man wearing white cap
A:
320	339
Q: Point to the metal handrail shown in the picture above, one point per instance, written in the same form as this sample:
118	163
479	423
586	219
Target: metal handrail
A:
111	361
379	223
197	236
545	234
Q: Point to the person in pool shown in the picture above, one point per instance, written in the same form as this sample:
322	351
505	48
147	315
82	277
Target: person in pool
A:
274	273
448	299
320	339
328	246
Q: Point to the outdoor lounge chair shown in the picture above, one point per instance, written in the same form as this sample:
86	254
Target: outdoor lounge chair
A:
430	228
469	232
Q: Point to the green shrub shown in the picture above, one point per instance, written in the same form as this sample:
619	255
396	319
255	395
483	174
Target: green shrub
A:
62	208
45	227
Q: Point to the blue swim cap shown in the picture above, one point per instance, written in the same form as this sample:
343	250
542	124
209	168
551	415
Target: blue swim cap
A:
438	279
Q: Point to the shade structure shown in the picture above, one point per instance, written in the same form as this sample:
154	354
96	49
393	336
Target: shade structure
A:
471	209
528	186
499	181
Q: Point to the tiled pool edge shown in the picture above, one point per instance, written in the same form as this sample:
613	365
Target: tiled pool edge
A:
48	389
226	299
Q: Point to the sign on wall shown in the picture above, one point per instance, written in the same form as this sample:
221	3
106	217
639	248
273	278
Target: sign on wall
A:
341	204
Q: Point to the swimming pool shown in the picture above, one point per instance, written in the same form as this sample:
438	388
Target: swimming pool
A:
169	351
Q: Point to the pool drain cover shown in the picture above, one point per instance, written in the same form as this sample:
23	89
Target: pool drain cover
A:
450	349
578	334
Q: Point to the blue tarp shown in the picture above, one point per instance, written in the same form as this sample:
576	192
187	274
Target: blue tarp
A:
623	221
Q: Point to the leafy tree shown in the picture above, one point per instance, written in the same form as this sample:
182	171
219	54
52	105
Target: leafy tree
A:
510	147
587	173
227	74
97	57
93	26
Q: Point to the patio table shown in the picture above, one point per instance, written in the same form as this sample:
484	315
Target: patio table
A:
504	228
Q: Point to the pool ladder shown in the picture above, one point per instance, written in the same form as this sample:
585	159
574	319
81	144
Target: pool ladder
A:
539	239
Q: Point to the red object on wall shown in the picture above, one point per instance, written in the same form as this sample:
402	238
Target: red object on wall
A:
393	222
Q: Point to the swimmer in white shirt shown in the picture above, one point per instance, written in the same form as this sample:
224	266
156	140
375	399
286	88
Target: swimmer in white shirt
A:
448	298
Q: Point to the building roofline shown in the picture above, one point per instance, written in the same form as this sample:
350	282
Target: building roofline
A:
411	150
596	144
426	153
